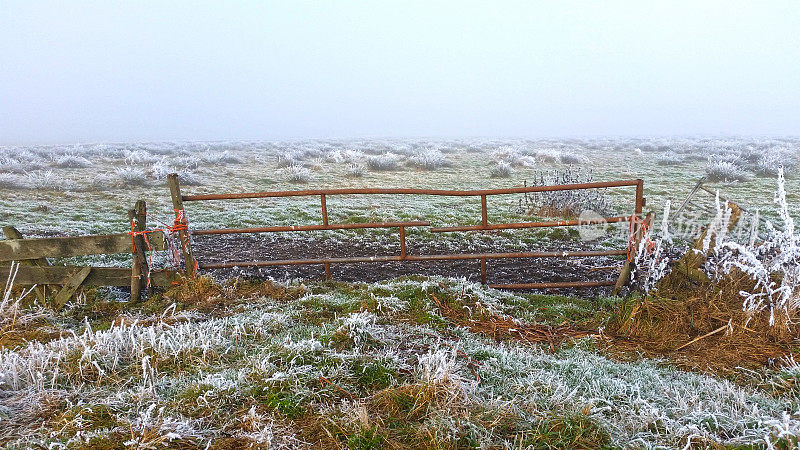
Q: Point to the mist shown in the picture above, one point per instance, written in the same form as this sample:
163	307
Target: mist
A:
147	71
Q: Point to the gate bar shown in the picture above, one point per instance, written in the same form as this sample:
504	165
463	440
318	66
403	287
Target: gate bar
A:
339	226
392	258
452	193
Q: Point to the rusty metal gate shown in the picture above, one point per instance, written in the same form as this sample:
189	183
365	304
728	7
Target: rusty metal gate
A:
634	219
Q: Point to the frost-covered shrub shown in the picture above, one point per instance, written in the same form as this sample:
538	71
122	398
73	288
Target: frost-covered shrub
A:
223	157
771	160
551	156
160	169
131	176
20	164
11	181
669	159
774	264
566	203
290	159
514	158
103	181
46	179
501	170
139	156
356	171
384	162
430	159
725	171
297	174
571	158
70	161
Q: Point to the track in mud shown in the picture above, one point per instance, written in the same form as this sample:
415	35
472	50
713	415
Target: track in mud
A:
499	271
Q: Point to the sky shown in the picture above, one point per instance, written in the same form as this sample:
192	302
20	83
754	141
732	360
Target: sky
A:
112	71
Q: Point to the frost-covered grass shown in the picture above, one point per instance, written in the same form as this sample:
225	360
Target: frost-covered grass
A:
346	364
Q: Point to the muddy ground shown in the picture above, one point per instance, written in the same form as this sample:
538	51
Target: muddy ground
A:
211	249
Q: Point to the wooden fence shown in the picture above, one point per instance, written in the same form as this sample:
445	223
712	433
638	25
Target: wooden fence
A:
64	280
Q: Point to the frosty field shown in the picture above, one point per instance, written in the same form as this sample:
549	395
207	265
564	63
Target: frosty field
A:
408	362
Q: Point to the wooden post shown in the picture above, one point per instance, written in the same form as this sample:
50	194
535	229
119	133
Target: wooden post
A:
403	242
484	212
73	284
177	204
483	270
139	267
41	291
324	210
625	272
327	266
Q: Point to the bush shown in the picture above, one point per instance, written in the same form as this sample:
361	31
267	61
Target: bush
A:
384	162
356	171
770	161
725	171
571	158
71	162
131	176
297	174
501	170
11	181
773	264
430	159
669	159
224	157
46	179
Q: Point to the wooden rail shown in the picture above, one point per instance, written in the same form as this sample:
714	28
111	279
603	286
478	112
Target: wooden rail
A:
35	269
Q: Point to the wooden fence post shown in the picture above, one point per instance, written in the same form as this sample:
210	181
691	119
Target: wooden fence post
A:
183	234
139	267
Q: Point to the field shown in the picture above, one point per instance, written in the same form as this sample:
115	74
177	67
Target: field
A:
407	360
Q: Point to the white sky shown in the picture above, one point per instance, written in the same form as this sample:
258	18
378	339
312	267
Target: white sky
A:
74	71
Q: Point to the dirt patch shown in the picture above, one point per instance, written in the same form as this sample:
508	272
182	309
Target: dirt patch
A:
499	271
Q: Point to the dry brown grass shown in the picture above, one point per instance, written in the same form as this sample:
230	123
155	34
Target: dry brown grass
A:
702	326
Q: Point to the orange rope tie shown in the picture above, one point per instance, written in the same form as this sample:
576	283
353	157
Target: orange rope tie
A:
179	224
649	244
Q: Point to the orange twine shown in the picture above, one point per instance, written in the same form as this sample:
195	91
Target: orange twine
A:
178	224
649	244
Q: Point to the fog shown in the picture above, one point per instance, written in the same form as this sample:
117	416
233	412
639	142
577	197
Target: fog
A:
121	71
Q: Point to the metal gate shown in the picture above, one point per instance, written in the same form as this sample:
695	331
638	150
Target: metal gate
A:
634	219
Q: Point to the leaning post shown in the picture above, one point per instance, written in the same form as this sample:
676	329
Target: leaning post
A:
183	232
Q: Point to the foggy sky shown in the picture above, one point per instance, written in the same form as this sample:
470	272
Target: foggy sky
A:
74	71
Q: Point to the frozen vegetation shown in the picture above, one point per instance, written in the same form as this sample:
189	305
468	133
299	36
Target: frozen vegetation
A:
347	359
